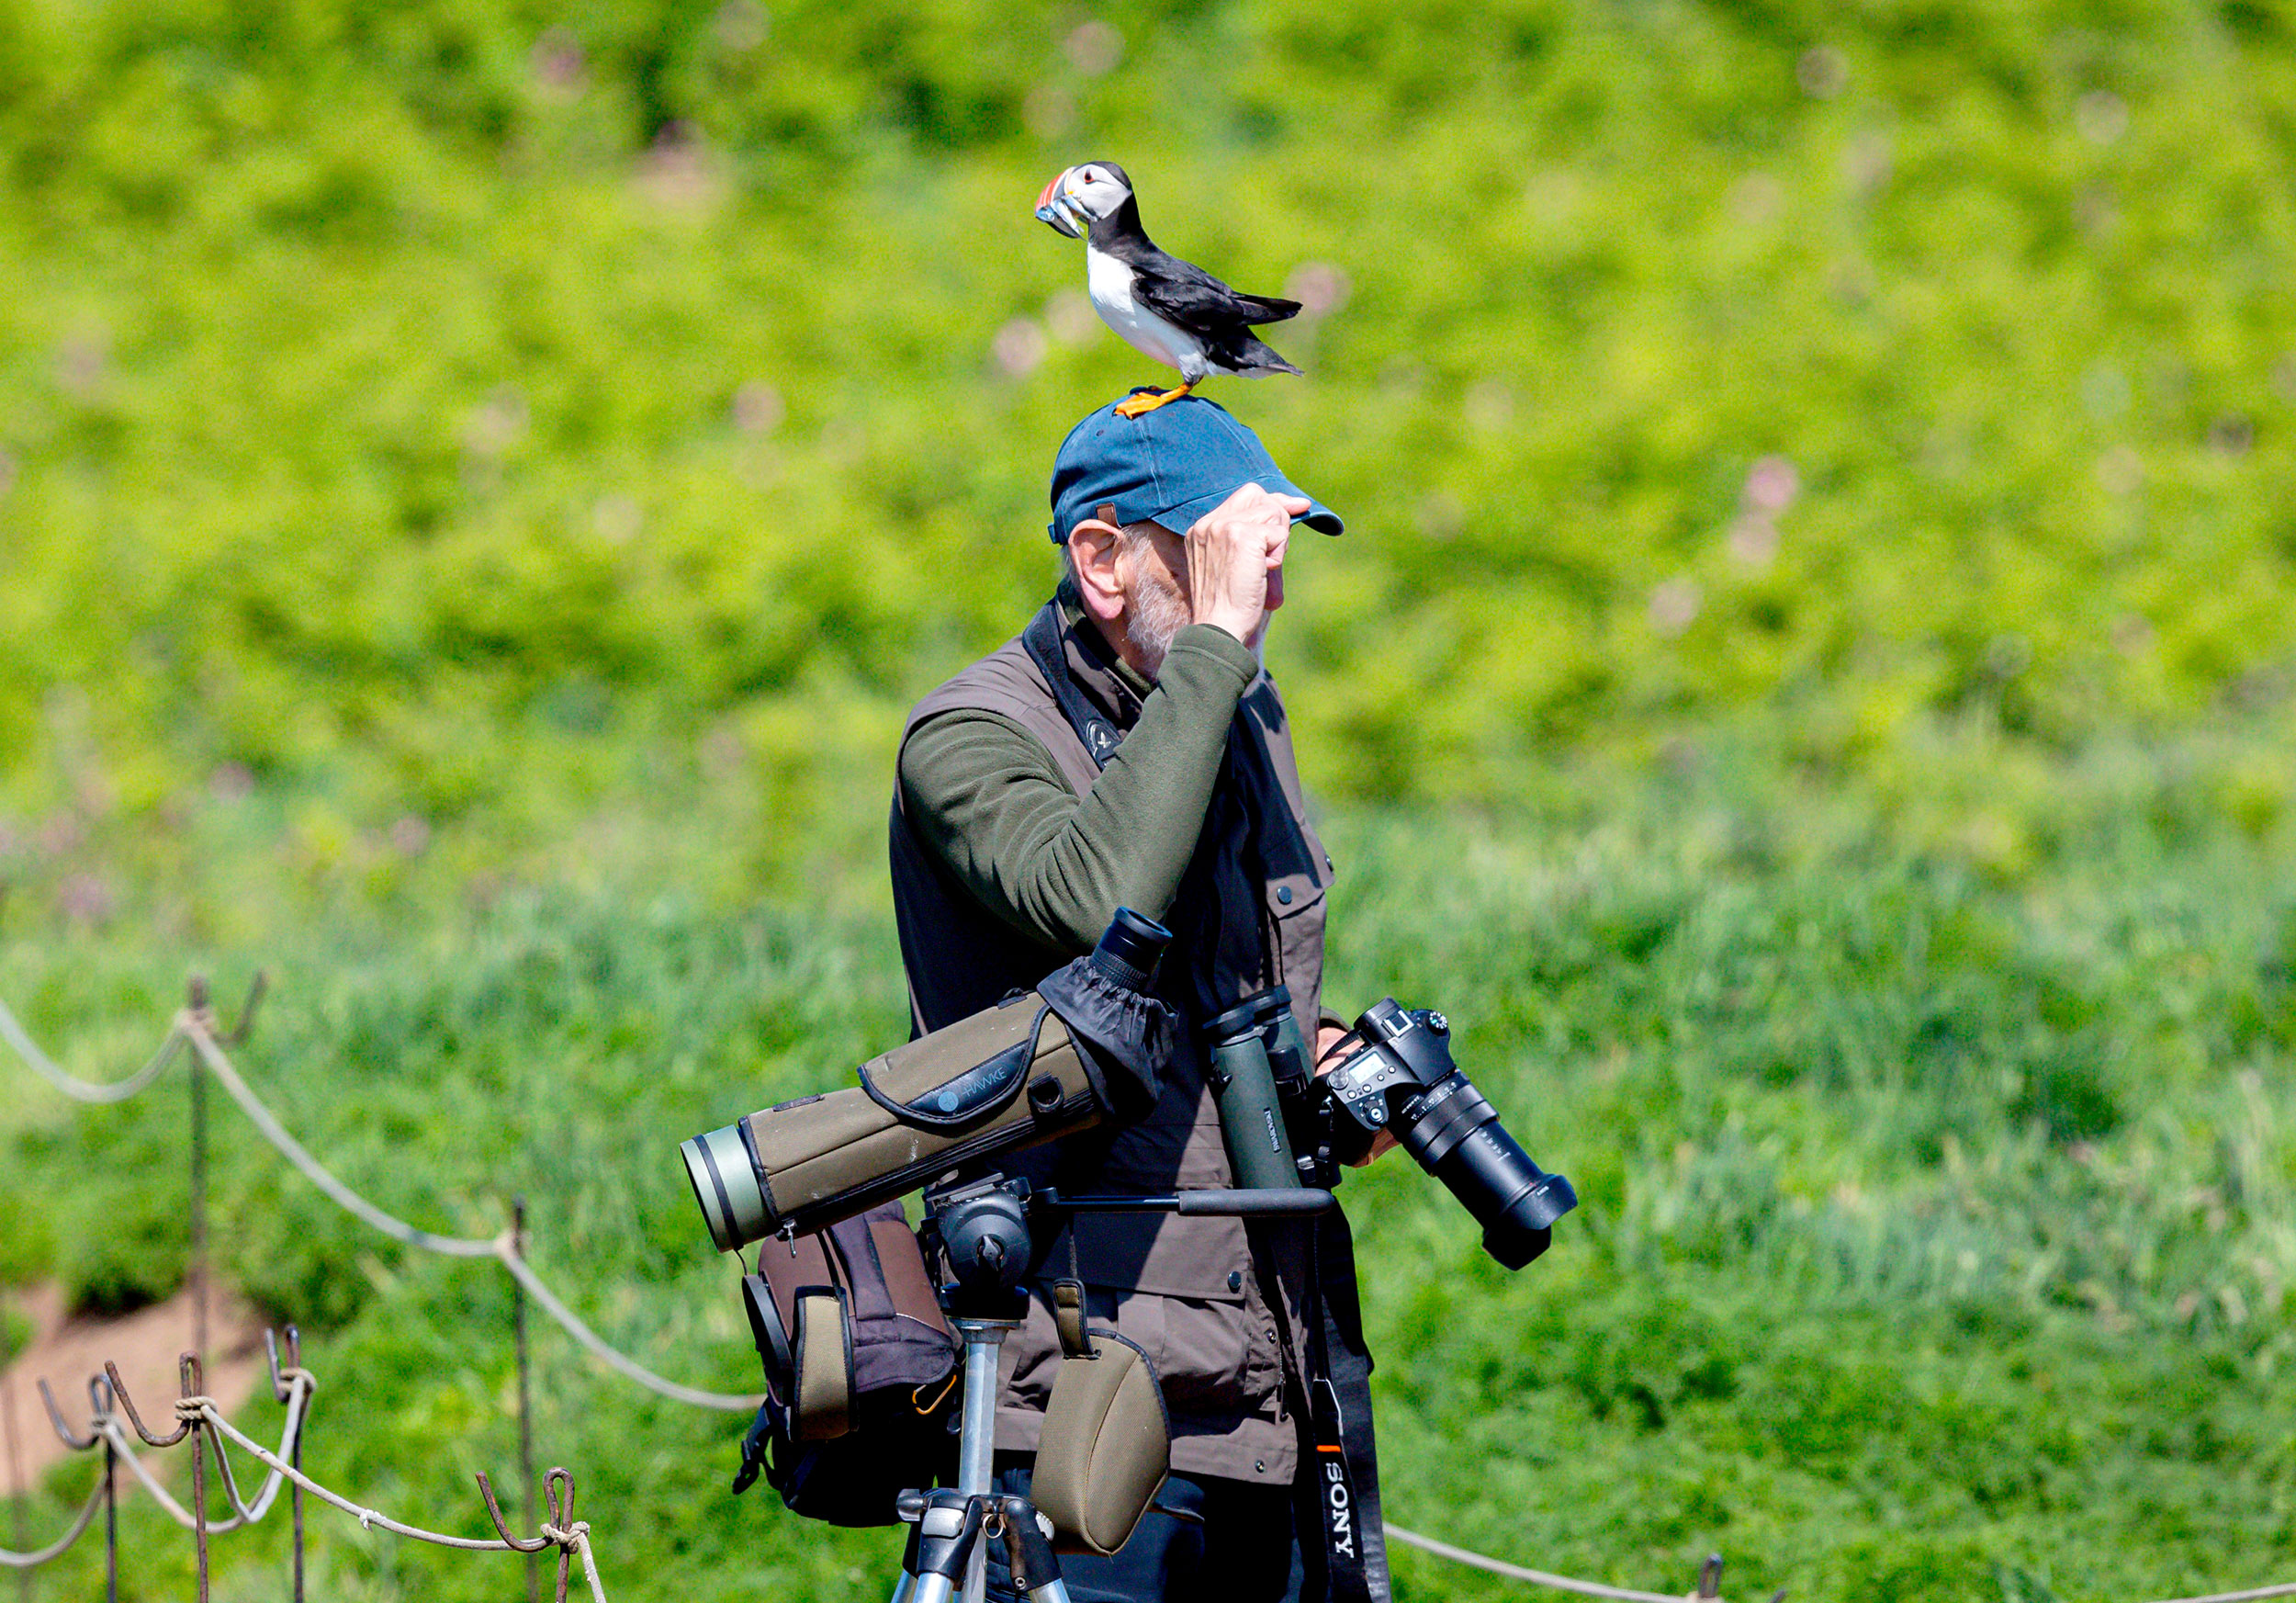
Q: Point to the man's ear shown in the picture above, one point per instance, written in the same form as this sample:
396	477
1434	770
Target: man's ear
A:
1095	545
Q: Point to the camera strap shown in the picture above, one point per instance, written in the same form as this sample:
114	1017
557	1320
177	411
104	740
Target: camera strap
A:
1049	651
1340	1487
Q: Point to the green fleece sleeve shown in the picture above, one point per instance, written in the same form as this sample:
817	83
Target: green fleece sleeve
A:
988	800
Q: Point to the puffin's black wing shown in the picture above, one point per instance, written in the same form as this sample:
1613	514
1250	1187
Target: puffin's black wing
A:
1187	297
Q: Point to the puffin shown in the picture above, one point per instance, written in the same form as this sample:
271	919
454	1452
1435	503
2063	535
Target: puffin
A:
1162	307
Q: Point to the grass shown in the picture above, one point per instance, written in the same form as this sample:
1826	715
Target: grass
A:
1933	1245
1805	685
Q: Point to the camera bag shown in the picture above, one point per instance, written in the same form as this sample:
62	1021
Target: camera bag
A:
859	1369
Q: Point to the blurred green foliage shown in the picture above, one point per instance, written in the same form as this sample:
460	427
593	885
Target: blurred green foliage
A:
440	405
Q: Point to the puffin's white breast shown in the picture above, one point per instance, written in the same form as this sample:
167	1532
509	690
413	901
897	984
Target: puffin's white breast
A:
1109	283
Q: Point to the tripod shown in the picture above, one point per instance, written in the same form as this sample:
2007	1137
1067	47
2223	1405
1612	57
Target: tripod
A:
946	1531
980	1230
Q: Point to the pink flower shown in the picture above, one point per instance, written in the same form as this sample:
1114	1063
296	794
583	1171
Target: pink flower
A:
557	62
1094	47
88	898
1674	607
1018	348
1320	287
1754	540
758	408
1772	485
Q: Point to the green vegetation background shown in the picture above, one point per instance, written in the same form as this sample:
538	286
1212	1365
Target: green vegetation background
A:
1806	684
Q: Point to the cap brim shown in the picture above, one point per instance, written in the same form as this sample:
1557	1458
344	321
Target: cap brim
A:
1318	516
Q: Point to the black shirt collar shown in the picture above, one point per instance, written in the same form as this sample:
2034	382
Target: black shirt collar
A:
1110	683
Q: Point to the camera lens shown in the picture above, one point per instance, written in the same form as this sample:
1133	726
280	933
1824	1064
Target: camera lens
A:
1513	1200
1130	948
1454	1134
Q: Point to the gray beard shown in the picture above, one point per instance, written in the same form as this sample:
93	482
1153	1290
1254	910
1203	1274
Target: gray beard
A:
1154	612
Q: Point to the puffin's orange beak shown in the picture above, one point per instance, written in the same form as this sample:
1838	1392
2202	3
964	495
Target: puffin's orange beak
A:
1055	210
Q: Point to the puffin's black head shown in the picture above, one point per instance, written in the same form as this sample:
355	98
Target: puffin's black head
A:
1082	196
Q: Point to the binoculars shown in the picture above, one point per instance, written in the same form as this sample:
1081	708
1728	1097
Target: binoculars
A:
1398	1076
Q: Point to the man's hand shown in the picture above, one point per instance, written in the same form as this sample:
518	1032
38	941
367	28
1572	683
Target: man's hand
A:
1235	560
1326	1037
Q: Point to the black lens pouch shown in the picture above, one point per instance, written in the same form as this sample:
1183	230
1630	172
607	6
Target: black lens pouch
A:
1129	1035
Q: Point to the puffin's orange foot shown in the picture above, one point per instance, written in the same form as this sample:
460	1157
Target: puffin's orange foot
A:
1141	403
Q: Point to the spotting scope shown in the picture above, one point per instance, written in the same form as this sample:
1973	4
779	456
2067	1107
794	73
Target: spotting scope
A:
1087	1045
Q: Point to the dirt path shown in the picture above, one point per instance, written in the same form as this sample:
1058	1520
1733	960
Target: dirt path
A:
144	1344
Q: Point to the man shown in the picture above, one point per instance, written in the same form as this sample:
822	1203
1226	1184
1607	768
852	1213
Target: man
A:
1127	750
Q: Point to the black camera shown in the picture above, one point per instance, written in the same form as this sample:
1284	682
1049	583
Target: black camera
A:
1403	1079
1398	1076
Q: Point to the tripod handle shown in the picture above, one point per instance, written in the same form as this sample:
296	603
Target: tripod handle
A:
1245	1202
1028	1552
948	1525
1256	1202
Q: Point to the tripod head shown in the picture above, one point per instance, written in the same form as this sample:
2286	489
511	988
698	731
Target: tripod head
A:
981	1231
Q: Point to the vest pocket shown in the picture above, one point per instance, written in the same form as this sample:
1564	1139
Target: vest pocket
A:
1158	1253
1203	1352
1295	913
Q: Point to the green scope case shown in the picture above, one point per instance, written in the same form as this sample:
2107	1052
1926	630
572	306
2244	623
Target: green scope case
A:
1004	1080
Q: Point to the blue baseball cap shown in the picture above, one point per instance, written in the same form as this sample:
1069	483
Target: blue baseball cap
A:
1170	465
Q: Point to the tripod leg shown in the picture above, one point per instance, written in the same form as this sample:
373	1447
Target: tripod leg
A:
948	1536
976	1445
903	1590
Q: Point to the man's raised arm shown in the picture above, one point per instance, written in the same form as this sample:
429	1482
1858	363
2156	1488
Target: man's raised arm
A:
989	802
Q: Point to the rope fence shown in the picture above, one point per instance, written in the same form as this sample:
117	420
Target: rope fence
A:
201	1423
195	1027
1710	1576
